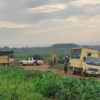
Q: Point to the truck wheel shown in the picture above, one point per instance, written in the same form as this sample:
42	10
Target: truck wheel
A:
8	64
84	74
74	72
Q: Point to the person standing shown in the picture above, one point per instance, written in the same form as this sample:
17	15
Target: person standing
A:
54	58
66	64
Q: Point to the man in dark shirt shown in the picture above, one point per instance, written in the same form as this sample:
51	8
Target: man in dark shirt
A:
66	64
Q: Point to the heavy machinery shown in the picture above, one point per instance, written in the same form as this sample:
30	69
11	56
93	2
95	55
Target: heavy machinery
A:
85	61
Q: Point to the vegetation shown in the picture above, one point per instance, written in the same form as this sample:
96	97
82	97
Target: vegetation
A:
62	45
57	47
45	54
20	84
61	61
51	63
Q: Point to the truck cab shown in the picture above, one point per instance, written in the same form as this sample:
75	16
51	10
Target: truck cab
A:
91	66
79	61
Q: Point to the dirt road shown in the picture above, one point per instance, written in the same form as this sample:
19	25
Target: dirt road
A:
47	68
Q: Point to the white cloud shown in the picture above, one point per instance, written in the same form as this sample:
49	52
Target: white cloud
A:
77	23
55	29
7	24
70	19
75	20
93	21
84	2
48	8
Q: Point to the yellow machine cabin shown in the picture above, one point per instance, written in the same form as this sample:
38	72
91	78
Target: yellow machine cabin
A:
85	61
6	57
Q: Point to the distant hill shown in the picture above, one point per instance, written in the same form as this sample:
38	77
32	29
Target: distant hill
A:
57	47
69	45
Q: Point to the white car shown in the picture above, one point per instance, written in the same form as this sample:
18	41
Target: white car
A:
30	61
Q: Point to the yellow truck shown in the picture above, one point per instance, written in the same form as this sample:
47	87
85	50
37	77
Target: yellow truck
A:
85	61
6	57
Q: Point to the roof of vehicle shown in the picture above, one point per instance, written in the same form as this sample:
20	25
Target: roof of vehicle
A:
86	48
6	52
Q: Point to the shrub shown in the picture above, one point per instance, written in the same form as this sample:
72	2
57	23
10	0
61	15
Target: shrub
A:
51	63
52	88
61	61
43	85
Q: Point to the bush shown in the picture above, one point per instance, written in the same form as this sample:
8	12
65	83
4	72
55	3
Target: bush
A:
42	85
53	87
61	61
51	62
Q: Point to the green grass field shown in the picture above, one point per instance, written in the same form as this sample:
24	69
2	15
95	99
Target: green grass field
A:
45	54
20	84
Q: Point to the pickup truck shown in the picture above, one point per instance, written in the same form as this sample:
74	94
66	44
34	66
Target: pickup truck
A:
30	61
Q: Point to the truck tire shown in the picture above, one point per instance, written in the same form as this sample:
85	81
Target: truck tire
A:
73	72
84	74
8	64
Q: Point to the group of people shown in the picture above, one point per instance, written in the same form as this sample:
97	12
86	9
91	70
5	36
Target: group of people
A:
37	57
66	64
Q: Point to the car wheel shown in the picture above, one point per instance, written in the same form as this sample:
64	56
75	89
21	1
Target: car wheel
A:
73	72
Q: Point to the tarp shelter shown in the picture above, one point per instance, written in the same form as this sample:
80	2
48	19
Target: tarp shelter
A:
6	57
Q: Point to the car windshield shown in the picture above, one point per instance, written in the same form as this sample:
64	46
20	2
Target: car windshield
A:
93	61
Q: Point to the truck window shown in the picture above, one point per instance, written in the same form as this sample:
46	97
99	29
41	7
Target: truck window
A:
11	56
75	53
88	54
93	61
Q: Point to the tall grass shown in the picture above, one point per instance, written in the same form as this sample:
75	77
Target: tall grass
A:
20	84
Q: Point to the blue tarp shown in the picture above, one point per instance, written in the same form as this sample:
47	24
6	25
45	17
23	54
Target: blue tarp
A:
98	49
78	55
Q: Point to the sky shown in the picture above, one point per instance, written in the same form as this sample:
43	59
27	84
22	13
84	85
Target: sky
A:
46	22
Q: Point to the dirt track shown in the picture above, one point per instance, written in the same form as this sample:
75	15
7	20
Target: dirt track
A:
46	68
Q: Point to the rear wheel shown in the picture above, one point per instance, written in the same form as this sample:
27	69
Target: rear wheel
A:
84	74
74	72
8	64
